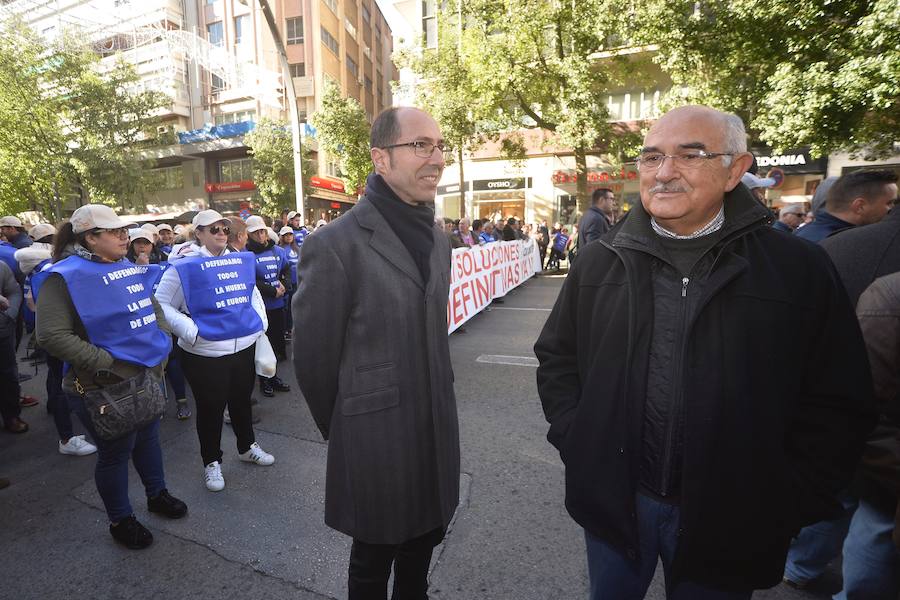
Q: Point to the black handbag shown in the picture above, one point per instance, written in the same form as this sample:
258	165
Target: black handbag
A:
120	408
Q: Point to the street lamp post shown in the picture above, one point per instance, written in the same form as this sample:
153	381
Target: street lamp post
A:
292	105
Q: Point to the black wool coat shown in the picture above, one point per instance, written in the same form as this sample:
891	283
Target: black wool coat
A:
777	395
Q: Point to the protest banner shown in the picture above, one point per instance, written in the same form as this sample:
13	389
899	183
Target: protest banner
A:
480	274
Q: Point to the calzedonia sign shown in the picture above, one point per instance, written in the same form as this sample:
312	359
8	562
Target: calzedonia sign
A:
792	161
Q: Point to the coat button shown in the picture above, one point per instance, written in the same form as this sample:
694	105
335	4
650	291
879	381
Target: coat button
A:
621	450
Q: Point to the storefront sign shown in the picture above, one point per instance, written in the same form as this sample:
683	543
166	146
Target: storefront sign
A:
480	274
230	186
596	176
327	184
215	132
793	161
451	189
493	185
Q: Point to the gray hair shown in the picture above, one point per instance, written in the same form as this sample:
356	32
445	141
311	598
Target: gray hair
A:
735	136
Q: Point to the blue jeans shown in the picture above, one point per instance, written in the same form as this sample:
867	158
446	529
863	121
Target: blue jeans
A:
174	372
57	403
615	577
818	544
871	560
111	472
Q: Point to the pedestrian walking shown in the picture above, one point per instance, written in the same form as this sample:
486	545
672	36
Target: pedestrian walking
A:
689	431
87	309
598	218
210	298
378	381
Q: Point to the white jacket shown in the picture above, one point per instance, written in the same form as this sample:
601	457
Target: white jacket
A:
170	295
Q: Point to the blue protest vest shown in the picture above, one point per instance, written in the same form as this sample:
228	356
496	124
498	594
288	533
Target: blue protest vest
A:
7	255
114	303
37	278
559	244
300	235
218	291
268	267
28	287
293	258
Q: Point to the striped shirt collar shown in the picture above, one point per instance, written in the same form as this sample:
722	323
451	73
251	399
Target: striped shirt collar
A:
714	225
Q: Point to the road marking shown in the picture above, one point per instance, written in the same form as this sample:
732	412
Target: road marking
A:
511	308
499	359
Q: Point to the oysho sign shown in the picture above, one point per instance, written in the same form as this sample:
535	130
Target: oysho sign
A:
512	183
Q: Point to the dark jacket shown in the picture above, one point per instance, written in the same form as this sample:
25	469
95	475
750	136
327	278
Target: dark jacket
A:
9	289
156	255
826	224
765	448
593	224
779	226
863	254
509	233
21	240
377	377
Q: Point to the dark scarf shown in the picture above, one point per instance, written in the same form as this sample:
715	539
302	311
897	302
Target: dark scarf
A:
257	248
413	224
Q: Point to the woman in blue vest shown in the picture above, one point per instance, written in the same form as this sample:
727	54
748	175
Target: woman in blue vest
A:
273	279
288	243
96	313
210	298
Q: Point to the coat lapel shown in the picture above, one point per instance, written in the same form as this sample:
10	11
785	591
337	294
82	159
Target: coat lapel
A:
384	241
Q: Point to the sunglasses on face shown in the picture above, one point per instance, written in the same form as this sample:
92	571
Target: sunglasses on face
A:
215	229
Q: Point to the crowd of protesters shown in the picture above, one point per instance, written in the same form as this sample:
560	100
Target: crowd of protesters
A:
208	301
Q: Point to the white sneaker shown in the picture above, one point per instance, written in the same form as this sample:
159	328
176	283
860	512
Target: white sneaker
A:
77	446
257	455
214	480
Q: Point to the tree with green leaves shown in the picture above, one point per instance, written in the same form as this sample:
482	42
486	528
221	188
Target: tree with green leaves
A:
343	132
70	125
800	72
270	146
530	64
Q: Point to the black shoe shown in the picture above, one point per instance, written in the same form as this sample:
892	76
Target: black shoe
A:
267	390
130	533
278	385
167	505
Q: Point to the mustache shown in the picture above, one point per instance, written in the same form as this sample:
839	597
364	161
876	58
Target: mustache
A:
666	187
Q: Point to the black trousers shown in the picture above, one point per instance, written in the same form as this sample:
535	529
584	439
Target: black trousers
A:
275	332
9	378
218	382
370	568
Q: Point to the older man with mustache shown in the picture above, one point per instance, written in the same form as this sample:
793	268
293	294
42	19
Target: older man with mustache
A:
704	378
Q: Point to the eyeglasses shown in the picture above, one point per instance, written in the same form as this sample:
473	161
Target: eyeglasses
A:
118	232
215	229
423	149
684	160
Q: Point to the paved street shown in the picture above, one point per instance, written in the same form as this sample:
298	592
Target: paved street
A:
264	536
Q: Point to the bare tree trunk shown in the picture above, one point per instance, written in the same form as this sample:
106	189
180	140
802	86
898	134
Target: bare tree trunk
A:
581	180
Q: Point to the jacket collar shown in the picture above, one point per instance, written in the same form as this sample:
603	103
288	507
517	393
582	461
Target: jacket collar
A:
386	243
743	213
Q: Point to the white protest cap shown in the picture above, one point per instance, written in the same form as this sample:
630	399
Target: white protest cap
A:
752	181
285	230
205	218
291	215
179	229
10	222
96	216
272	235
255	223
140	234
163	227
42	230
150	228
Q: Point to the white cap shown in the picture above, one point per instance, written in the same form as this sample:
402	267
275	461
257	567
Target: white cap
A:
321	222
255	223
150	228
10	222
285	230
272	235
178	229
96	216
752	181
205	218
163	227
291	215
140	234
42	230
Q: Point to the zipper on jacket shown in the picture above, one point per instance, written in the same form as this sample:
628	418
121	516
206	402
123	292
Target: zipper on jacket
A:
665	475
